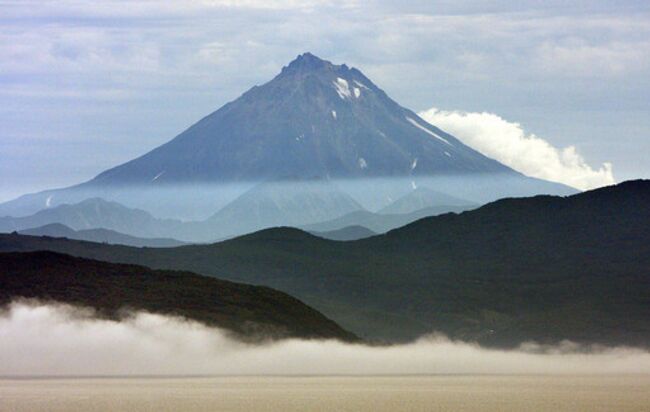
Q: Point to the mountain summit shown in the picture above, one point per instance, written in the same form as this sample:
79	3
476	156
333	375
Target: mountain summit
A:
313	120
307	61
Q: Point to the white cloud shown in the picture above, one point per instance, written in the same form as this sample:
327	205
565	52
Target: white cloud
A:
508	143
59	340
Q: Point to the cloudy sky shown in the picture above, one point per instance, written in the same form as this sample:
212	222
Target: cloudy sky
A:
555	90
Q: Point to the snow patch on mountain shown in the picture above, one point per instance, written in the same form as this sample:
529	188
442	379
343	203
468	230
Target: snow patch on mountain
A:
157	176
424	129
358	83
342	88
344	91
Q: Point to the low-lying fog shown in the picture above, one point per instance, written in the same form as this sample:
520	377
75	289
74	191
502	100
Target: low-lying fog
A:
59	340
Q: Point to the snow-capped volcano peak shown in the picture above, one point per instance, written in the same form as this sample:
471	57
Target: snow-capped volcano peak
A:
307	62
314	119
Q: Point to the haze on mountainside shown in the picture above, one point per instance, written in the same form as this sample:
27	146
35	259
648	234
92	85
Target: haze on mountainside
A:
317	142
99	220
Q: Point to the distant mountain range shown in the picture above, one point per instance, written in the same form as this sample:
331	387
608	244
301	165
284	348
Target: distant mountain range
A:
96	213
100	236
264	206
422	198
346	234
380	223
315	121
250	312
90	214
282	204
541	269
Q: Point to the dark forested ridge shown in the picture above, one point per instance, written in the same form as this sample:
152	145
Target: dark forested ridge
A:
251	312
542	268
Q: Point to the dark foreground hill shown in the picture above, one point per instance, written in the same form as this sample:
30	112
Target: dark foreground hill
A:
543	268
251	312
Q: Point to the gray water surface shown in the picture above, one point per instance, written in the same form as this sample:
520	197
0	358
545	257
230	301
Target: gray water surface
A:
385	393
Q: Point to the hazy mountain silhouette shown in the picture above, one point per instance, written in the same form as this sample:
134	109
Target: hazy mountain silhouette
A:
96	213
274	204
100	236
422	198
381	223
346	233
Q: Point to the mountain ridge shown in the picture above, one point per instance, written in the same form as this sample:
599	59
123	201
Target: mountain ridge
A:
94	213
266	205
251	313
542	269
422	198
347	233
99	235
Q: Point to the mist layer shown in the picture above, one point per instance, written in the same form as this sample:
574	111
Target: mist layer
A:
61	340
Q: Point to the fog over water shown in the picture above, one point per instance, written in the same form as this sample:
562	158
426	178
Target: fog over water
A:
60	340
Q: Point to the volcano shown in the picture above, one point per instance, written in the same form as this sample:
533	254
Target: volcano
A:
315	121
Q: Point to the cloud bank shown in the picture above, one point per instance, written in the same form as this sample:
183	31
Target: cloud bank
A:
509	143
60	340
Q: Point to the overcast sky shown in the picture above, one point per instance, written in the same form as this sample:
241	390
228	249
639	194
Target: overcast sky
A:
85	85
